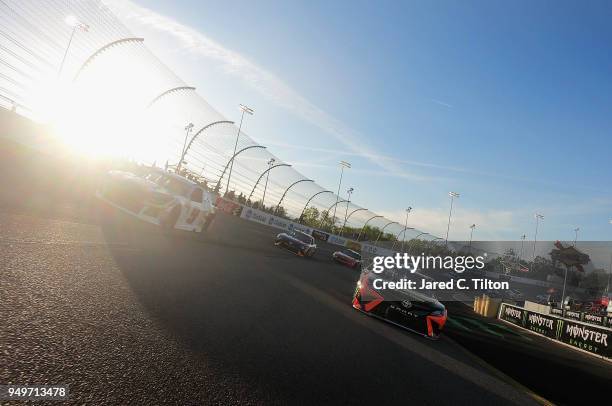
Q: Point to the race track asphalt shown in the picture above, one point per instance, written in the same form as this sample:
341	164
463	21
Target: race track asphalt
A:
126	315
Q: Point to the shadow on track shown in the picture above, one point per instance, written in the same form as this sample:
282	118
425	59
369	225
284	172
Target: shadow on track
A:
280	327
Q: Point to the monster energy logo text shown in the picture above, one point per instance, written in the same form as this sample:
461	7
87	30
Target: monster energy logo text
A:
540	321
587	334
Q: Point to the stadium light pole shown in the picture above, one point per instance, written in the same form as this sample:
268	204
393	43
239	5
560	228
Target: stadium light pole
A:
408	210
576	237
74	23
343	164
538	217
188	129
522	242
349	192
247	110
263	199
365	224
472	227
450	212
609	273
383	230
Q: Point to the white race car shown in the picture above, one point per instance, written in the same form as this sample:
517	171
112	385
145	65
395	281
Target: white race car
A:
161	198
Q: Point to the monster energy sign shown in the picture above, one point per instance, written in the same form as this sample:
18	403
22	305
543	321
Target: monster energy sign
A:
512	314
541	324
587	338
581	335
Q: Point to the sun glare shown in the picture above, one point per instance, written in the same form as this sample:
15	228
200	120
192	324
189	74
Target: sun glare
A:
103	112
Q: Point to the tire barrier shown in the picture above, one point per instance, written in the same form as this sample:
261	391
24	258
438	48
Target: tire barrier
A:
590	338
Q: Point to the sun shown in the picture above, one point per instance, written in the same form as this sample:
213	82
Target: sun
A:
102	112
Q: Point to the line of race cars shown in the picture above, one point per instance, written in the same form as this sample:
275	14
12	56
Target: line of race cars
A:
304	245
408	309
174	202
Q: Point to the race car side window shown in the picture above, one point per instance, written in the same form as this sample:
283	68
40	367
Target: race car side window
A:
196	195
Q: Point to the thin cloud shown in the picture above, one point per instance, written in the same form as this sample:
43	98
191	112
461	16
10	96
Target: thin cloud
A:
441	103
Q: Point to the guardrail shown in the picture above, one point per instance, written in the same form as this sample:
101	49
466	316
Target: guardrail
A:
262	217
593	339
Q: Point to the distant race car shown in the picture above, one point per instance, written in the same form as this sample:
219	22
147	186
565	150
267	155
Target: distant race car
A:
348	257
409	309
300	243
159	197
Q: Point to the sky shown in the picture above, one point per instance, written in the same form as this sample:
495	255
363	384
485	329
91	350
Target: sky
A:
507	103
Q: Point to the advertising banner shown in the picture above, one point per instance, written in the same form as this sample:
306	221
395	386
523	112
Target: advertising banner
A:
573	315
278	222
588	338
541	324
591	338
591	318
512	314
255	215
353	245
334	239
300	227
259	216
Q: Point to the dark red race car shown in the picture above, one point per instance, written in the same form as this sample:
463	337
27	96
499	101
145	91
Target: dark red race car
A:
408	309
348	257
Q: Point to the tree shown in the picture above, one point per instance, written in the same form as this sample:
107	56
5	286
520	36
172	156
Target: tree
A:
280	211
311	217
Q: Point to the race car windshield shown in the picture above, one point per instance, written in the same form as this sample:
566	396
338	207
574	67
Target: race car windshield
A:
175	186
302	237
353	255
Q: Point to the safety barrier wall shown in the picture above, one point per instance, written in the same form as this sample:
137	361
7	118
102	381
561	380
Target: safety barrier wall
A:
259	216
585	317
593	339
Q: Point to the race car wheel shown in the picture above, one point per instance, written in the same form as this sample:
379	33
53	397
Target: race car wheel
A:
168	222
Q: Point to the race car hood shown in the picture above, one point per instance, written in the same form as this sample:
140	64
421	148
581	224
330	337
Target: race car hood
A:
154	192
343	255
